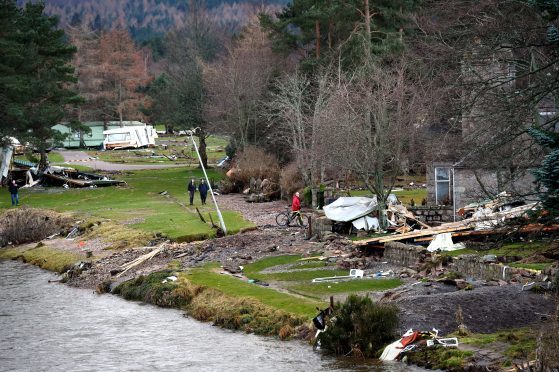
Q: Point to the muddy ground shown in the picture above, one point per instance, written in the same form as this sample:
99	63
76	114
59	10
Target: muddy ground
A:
422	305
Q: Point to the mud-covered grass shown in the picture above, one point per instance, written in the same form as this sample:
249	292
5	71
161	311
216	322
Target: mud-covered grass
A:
299	281
222	300
440	358
519	249
290	264
119	236
520	344
357	285
47	258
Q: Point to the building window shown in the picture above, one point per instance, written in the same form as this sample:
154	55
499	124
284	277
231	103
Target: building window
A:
442	186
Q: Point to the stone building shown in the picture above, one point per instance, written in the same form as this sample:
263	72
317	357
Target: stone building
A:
486	155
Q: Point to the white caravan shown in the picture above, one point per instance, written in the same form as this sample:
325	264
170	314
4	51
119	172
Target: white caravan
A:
129	137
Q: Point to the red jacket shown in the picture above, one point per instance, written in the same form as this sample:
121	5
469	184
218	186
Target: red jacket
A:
296	204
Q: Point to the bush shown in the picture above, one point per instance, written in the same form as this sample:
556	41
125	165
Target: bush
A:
255	163
361	327
291	179
25	225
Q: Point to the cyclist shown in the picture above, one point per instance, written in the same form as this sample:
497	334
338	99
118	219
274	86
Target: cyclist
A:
296	208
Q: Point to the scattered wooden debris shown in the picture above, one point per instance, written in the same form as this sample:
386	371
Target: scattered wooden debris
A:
483	222
139	261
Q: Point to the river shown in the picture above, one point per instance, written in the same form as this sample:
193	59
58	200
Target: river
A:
53	327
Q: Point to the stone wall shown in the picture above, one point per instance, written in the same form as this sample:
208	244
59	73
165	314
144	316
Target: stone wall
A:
320	224
402	254
433	213
473	266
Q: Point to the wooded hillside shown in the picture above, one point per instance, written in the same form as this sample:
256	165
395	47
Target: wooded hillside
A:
149	18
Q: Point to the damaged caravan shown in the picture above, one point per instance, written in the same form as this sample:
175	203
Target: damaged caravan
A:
129	137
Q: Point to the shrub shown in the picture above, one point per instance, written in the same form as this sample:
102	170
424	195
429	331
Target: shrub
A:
25	225
361	327
291	179
255	163
151	289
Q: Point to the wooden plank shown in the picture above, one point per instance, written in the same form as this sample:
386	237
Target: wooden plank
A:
420	234
451	227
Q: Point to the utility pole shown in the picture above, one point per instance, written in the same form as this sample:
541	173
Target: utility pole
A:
222	223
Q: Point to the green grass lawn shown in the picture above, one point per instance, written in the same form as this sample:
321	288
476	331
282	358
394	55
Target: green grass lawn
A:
300	281
177	145
139	201
235	287
404	196
356	285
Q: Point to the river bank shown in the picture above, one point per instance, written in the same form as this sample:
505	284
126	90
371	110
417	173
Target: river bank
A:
210	293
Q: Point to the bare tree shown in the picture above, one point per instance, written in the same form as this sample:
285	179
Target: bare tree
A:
372	120
236	84
297	110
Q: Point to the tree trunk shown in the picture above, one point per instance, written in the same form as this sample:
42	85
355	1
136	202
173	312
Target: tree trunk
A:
317	30
202	148
82	140
43	163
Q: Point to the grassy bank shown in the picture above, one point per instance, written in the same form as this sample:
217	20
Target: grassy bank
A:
39	255
226	302
140	205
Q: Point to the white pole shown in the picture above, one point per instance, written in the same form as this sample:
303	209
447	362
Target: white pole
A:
453	198
209	185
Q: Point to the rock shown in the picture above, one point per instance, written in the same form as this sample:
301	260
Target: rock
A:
489	258
502	283
461	283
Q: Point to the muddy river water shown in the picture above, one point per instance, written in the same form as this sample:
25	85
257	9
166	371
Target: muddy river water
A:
52	327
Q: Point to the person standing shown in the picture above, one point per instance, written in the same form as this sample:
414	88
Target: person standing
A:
296	208
203	188
14	188
191	190
296	203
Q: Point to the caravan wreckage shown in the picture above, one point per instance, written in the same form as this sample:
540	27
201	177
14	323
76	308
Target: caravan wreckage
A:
27	174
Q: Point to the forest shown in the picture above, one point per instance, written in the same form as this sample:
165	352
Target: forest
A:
369	88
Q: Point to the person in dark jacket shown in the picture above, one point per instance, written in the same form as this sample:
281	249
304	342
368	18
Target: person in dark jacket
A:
14	192
191	190
203	188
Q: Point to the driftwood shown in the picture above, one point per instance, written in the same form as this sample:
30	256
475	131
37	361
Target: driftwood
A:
139	261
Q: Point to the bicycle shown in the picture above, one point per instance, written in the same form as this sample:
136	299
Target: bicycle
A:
285	218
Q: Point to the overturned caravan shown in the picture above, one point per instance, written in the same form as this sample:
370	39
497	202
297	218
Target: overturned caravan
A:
129	137
356	211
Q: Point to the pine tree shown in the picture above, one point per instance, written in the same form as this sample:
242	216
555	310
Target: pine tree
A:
319	29
36	73
547	175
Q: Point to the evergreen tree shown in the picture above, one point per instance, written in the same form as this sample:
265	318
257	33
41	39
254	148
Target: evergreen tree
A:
320	29
36	72
10	58
547	175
